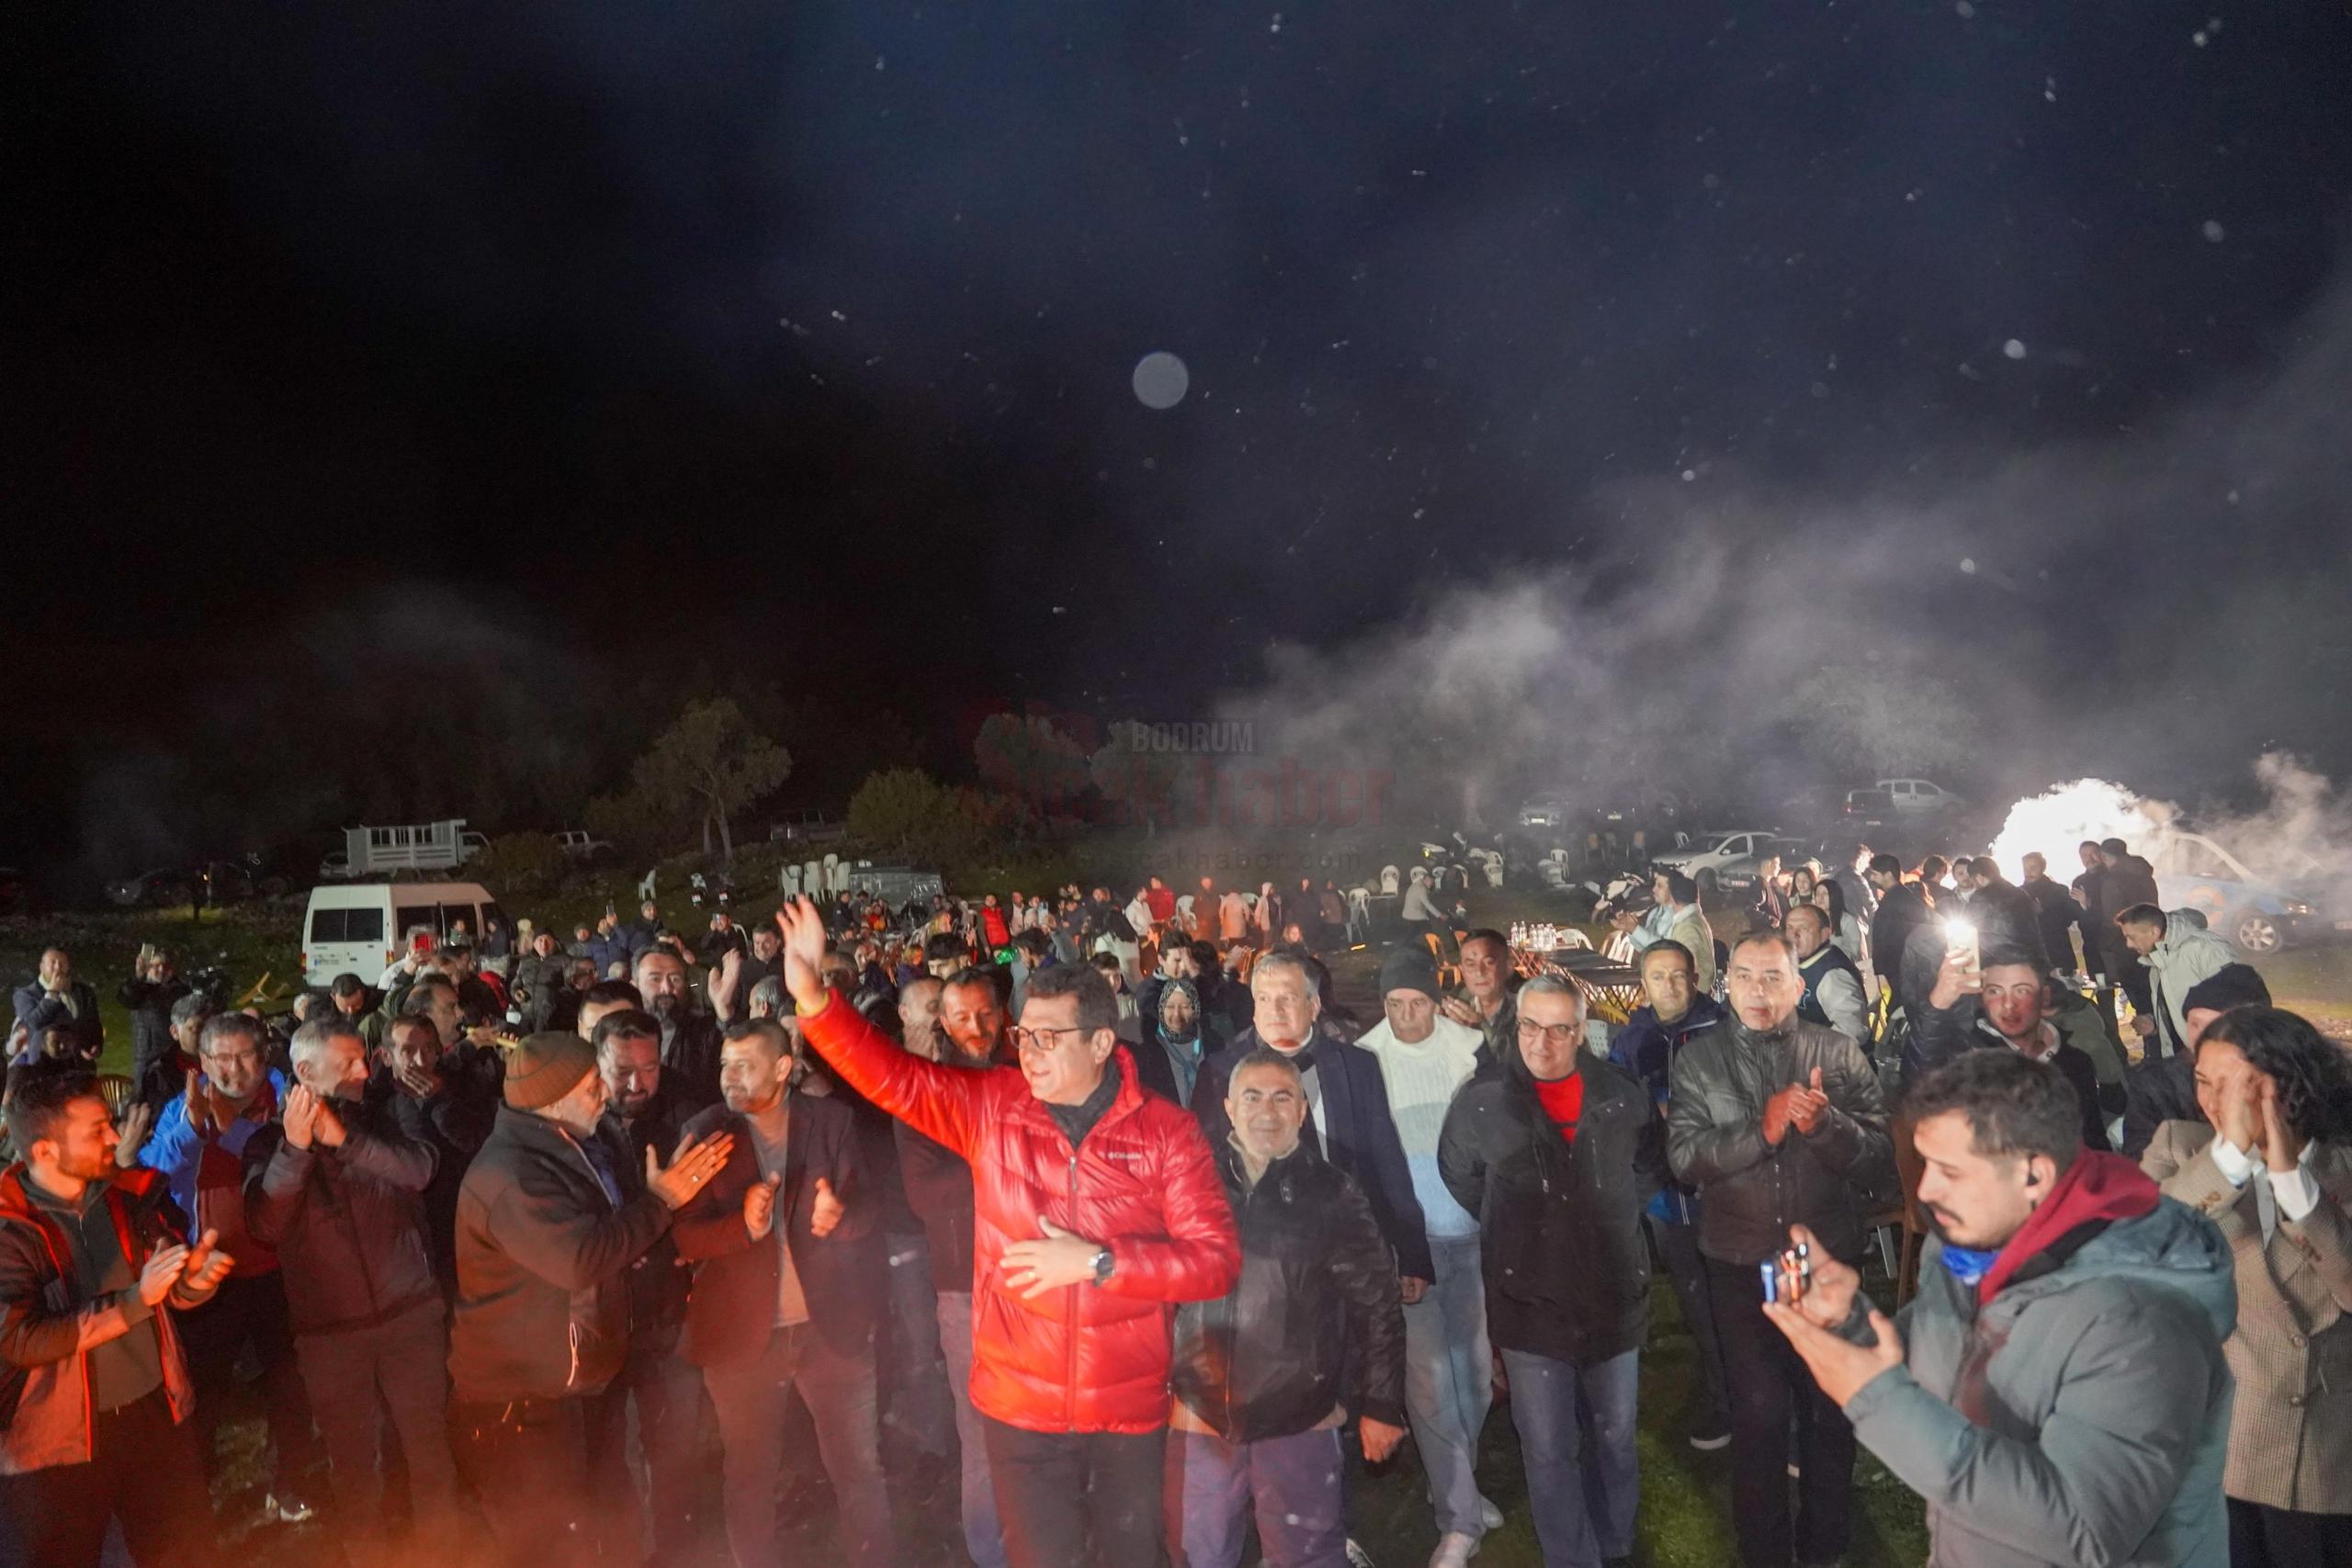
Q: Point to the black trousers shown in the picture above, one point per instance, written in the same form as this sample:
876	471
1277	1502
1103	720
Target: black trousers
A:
2275	1538
1769	1386
527	1464
674	1435
143	1470
250	1310
1055	1489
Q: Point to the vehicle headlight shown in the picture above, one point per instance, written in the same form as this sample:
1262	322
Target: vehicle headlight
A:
2292	907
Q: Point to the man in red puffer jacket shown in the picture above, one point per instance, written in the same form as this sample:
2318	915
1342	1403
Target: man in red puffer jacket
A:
1095	1206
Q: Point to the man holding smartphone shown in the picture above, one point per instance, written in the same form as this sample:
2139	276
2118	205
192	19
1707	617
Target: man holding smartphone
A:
1776	1121
2056	1392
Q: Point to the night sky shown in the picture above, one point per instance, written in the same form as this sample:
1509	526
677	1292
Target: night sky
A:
603	345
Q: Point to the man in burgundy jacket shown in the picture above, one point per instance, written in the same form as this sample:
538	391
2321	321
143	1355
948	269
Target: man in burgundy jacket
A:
1095	1206
789	1273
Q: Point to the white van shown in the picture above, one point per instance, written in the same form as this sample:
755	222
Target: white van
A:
360	928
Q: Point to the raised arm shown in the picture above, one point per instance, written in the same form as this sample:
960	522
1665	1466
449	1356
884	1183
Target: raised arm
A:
944	1104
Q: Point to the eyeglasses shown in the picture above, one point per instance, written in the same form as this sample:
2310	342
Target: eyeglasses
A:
1028	1040
1559	1036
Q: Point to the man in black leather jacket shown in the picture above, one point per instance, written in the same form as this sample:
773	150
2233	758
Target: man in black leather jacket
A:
1777	1121
1557	1152
1260	1375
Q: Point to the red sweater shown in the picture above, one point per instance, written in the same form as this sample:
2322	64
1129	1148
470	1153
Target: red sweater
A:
1563	1101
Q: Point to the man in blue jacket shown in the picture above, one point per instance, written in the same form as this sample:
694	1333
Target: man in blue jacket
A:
1676	1014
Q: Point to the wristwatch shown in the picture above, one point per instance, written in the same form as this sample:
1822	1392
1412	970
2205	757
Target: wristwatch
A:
1102	1265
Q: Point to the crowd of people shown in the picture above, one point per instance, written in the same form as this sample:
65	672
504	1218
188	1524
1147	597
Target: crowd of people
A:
1109	1220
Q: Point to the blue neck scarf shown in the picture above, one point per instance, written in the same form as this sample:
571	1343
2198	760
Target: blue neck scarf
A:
1968	1265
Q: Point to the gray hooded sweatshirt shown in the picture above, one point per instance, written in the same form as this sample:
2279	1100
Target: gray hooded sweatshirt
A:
2082	1420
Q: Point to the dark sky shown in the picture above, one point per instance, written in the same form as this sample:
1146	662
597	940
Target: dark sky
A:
797	338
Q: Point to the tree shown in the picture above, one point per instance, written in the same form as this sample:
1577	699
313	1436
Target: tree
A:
906	814
1886	722
1136	783
1037	758
710	762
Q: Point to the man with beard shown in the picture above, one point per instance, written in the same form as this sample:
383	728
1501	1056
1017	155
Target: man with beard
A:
546	1234
644	1110
93	1280
957	1023
2056	1390
440	1105
689	1035
1775	1120
787	1286
336	1189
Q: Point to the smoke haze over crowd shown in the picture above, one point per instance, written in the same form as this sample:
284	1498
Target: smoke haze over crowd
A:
1613	402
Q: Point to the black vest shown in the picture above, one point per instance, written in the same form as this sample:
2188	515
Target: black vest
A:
1830	959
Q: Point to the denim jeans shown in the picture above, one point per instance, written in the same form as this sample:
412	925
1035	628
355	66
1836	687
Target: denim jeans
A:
1449	1382
921	1410
838	1387
1583	1501
1291	1484
982	1537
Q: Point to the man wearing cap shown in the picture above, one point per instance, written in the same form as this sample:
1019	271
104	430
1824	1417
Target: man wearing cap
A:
1425	1058
547	1226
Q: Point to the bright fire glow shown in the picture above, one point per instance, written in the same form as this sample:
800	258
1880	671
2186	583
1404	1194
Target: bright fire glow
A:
2053	824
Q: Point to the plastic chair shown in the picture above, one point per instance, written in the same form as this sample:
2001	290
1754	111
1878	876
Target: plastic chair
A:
1908	1218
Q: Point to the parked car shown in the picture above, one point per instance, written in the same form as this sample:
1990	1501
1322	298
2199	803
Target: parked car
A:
808	827
207	881
2256	915
1726	860
581	845
1867	808
360	928
1918	797
1546	811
